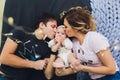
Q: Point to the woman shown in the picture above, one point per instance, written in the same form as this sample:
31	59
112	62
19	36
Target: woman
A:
91	48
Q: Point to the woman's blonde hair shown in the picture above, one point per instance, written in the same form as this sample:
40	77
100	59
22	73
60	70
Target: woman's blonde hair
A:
80	19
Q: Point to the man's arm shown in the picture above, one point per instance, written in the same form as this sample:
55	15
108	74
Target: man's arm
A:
49	70
8	57
64	71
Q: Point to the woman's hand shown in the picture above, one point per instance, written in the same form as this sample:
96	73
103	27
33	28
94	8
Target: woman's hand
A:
76	66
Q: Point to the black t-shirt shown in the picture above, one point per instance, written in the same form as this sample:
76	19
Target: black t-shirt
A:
29	47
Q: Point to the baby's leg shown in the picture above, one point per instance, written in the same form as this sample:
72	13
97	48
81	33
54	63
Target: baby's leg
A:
58	63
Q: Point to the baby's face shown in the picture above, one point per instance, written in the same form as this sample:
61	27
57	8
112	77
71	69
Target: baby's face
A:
60	32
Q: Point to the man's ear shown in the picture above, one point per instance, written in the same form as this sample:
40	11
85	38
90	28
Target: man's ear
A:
41	25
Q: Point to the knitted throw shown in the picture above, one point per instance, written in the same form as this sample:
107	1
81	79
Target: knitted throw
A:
107	16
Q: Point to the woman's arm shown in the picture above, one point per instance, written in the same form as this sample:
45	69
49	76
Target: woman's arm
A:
107	60
49	70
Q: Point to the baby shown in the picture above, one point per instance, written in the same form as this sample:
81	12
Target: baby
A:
63	45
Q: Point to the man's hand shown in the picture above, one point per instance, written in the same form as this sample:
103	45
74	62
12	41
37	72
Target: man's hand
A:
40	64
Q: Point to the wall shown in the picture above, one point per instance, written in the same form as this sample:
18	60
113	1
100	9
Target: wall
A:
1	15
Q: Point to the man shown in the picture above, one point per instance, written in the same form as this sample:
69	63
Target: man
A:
24	54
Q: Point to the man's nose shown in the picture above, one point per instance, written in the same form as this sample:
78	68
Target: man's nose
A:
54	29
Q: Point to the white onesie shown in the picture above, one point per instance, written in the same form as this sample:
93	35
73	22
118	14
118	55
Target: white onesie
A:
63	51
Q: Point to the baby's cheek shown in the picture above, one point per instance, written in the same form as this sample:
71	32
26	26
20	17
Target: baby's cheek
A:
63	38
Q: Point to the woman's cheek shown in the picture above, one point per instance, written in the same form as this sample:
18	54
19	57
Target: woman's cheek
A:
68	32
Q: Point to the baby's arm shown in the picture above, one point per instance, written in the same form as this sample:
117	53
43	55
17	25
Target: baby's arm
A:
68	43
54	45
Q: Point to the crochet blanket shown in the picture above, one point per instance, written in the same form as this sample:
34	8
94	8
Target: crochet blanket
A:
107	15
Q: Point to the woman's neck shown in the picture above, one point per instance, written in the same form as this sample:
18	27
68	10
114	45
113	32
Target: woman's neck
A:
80	37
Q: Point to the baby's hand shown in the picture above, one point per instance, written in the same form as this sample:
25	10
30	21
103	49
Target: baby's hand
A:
58	39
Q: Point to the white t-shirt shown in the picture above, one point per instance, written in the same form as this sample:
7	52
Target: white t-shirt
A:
87	52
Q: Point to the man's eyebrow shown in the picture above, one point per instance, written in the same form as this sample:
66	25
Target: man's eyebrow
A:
53	25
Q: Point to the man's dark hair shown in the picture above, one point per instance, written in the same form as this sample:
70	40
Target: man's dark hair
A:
44	17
